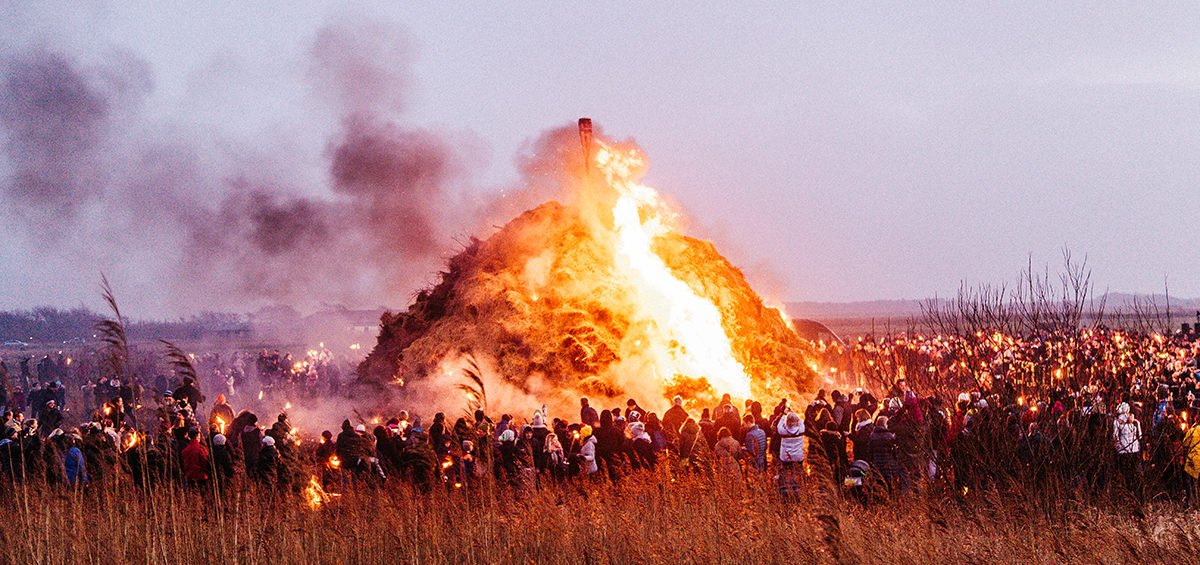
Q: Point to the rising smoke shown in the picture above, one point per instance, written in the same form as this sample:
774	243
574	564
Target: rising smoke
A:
94	183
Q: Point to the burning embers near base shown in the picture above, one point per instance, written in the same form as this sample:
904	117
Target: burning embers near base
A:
598	295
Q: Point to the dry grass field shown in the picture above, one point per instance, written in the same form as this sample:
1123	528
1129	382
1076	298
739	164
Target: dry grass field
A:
648	519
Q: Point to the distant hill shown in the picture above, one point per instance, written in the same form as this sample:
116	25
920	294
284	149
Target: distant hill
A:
868	309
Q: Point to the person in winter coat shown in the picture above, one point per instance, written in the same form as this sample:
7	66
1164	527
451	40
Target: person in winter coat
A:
1191	464
555	458
834	443
437	433
353	449
222	458
791	440
195	461
50	418
912	439
641	452
658	439
708	427
221	416
250	437
693	447
74	467
725	415
506	449
674	418
587	414
587	452
540	431
1127	435
861	435
610	445
267	465
727	452
882	445
756	443
188	391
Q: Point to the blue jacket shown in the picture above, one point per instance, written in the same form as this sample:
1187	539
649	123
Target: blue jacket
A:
75	470
756	447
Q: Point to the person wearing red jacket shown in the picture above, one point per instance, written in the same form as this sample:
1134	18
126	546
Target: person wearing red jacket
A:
195	460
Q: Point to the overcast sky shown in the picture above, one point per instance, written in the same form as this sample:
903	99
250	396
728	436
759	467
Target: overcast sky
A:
835	153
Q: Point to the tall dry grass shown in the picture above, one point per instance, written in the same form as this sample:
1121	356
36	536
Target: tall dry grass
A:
647	519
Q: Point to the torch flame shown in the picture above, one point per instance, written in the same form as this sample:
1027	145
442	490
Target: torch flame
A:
676	313
316	495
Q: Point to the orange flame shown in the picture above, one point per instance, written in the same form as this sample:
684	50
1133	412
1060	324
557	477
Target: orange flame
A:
677	315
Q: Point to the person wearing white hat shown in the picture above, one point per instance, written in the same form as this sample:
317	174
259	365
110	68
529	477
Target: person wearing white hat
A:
1127	435
267	468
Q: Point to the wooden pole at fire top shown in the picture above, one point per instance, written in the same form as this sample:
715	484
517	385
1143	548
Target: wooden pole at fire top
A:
585	139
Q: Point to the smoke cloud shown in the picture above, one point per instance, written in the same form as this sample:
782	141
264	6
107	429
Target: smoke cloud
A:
56	121
214	221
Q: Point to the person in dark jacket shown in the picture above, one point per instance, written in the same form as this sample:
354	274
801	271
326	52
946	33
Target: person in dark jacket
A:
883	453
267	465
693	448
188	391
437	433
834	443
351	449
725	415
708	427
861	435
222	460
610	445
587	414
51	417
251	440
674	418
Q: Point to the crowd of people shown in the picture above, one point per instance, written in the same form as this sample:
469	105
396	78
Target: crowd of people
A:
1102	412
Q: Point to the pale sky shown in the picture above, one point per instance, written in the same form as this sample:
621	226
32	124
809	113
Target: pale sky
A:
835	153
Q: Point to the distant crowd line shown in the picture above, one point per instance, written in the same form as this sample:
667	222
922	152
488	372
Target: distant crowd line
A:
1098	412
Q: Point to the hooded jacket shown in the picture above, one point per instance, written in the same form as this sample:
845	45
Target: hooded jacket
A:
588	453
195	461
791	439
1127	431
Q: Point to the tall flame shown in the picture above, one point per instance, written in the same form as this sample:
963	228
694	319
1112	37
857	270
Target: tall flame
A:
685	335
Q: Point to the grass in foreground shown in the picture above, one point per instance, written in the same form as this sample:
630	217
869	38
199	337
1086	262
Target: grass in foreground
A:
644	520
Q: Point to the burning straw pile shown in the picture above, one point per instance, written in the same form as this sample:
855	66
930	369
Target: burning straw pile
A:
601	297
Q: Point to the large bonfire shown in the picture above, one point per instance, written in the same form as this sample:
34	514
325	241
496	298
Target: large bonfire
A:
599	297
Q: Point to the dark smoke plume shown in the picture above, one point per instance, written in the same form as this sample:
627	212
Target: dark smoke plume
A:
55	120
234	229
